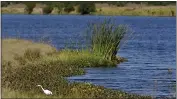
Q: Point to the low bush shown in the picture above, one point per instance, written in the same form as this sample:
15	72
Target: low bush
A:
60	7
4	4
86	8
6	71
29	7
48	9
68	8
29	55
172	13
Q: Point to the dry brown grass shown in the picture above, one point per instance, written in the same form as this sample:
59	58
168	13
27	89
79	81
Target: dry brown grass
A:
17	5
12	10
137	11
99	5
37	10
11	47
20	9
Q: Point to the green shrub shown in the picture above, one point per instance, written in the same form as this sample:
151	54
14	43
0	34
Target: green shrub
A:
106	38
120	3
29	7
59	6
20	59
6	70
5	3
68	8
48	9
32	54
172	12
29	55
86	8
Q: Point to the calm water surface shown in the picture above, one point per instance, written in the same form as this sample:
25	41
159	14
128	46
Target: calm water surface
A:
150	53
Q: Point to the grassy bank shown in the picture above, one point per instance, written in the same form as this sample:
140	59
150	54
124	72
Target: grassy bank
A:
38	63
27	64
138	11
102	9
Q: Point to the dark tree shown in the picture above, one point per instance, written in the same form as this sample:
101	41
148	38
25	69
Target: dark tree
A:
5	3
48	9
29	6
68	7
86	8
59	6
120	3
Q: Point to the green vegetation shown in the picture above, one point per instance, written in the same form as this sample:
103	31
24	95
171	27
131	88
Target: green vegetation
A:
154	3
36	63
137	11
149	8
29	7
4	4
106	38
118	3
49	70
60	7
68	8
86	8
47	10
10	48
29	55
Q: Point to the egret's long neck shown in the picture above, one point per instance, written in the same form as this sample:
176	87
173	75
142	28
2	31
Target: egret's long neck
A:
42	88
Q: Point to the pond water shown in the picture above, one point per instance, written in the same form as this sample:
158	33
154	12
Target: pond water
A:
150	53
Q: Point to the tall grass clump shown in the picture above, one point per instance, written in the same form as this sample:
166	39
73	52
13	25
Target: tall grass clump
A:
29	55
106	38
68	8
60	7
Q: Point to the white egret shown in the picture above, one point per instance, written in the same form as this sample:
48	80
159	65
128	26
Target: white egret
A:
47	92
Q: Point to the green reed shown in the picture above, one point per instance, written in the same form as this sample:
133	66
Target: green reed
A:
106	38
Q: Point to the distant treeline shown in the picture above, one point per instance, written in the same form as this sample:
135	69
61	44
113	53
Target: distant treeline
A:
117	3
84	7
